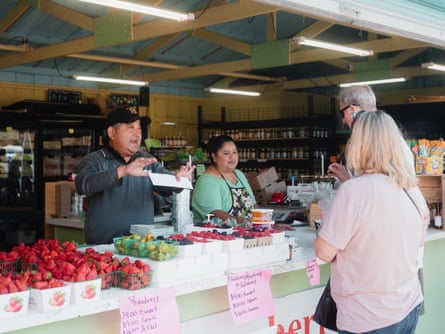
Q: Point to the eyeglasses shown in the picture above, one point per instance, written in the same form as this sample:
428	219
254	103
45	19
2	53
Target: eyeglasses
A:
342	110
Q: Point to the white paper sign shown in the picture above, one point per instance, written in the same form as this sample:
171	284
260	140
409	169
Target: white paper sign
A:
168	180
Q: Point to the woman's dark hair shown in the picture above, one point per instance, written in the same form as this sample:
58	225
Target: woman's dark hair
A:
216	142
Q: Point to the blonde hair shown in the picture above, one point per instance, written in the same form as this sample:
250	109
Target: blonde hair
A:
377	145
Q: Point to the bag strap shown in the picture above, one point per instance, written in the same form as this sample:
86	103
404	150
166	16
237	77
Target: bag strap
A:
412	201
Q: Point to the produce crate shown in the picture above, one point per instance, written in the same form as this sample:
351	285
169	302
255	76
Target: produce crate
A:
9	267
134	281
158	250
108	280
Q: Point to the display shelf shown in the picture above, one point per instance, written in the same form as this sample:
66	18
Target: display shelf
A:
293	142
433	189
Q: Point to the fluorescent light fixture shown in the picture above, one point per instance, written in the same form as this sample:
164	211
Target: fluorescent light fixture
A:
332	46
233	91
373	82
111	80
434	66
149	10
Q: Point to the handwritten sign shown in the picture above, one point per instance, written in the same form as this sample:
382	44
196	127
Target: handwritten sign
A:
250	297
313	272
154	313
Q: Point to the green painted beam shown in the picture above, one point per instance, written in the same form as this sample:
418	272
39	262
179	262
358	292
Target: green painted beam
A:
31	3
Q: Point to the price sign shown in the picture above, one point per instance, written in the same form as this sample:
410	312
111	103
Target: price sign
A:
250	296
154	313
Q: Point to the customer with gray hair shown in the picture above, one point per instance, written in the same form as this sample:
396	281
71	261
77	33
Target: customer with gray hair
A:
352	101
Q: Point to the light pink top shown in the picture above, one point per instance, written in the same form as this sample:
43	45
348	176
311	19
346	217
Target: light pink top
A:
378	232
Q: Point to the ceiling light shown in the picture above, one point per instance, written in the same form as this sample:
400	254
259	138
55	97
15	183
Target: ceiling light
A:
111	80
233	91
149	10
332	46
373	82
434	66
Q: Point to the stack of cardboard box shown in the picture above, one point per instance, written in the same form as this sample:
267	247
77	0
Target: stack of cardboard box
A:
264	183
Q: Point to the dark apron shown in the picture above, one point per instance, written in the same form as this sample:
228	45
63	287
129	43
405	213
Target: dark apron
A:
242	203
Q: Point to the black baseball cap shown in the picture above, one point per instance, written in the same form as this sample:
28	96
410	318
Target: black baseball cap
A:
122	115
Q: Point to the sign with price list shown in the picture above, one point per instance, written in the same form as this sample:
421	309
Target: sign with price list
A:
155	312
250	297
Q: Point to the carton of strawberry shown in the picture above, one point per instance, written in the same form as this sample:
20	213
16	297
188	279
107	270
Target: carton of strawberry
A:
134	276
48	293
106	266
14	295
10	283
8	261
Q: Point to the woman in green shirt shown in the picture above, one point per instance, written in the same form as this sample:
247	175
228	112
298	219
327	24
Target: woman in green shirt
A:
223	190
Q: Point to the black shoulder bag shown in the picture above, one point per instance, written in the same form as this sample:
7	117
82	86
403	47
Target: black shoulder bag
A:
326	311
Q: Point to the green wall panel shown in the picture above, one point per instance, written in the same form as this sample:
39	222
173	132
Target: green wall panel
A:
270	54
372	70
113	29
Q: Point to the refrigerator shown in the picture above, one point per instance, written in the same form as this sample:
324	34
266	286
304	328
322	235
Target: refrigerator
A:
39	142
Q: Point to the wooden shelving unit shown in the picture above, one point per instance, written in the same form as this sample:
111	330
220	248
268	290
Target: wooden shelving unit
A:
433	189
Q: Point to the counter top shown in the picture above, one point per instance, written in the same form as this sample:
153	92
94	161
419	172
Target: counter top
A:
78	222
109	299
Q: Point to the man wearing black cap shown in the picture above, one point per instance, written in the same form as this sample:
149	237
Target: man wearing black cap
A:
115	180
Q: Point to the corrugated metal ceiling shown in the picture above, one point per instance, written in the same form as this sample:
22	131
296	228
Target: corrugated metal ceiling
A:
59	37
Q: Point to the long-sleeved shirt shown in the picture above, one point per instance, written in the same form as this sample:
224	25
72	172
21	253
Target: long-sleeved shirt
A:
112	204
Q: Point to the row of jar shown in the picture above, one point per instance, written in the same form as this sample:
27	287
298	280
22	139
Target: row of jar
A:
173	141
285	174
279	153
272	133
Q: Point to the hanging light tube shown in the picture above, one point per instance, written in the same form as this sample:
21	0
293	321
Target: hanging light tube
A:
434	66
111	80
372	82
332	46
149	10
233	91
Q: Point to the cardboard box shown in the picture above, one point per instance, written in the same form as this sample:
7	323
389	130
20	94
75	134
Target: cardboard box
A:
58	198
70	164
263	196
315	213
51	166
267	177
259	181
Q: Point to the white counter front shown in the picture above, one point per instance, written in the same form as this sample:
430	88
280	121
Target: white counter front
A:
109	299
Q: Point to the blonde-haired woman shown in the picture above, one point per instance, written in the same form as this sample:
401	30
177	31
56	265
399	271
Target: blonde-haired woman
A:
373	232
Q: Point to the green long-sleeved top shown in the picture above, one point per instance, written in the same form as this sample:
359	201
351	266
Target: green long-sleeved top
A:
212	193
